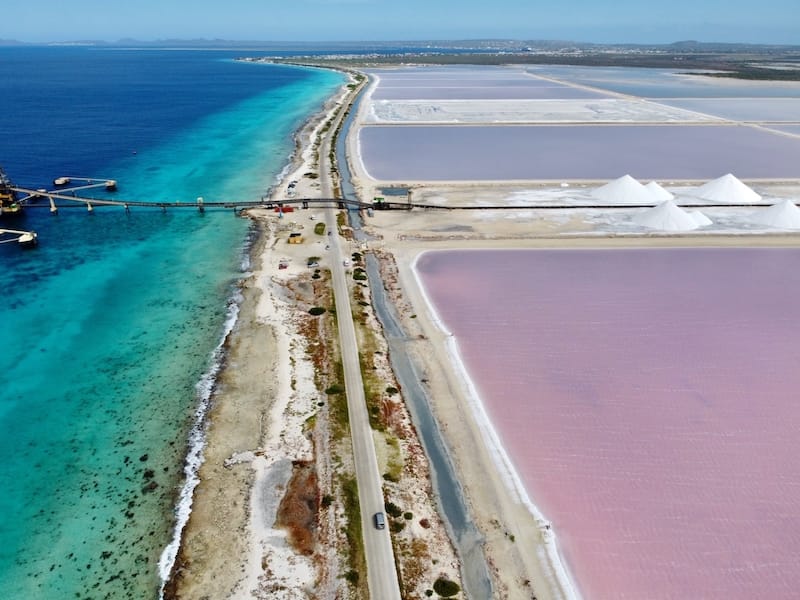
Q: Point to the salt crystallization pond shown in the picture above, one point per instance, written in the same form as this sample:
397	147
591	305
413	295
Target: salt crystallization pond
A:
648	401
520	152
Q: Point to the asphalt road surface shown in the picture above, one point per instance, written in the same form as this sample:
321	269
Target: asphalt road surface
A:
381	572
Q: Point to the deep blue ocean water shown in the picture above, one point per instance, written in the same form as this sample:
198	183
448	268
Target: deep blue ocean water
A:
108	326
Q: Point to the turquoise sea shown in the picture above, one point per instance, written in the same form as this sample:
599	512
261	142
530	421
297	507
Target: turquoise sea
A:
111	327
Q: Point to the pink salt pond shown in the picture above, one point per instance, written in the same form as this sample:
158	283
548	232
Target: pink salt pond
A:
650	403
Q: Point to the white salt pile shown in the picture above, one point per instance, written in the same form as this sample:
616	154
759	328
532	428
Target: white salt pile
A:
667	216
625	190
784	215
658	192
728	190
699	218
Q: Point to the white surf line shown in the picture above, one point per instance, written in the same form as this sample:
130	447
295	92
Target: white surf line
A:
197	441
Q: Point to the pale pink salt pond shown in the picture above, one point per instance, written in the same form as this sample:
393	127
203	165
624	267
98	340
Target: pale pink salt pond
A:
650	403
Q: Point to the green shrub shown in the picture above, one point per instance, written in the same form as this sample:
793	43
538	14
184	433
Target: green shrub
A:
336	388
352	576
408	516
319	228
316	311
391	390
445	588
392	509
397	526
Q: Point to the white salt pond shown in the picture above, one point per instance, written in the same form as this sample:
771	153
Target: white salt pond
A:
473	83
603	110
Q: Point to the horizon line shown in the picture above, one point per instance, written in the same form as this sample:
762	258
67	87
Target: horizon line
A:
239	42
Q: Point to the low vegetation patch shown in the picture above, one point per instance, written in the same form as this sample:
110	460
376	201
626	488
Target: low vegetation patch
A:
397	526
319	228
353	531
392	509
339	415
394	466
336	388
446	588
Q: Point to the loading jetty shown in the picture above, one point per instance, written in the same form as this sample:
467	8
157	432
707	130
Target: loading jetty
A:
26	239
70	191
67	197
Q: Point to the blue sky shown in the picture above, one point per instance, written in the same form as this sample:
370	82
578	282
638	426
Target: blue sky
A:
767	21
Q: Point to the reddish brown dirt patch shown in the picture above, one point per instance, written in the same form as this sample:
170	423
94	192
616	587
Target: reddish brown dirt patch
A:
298	510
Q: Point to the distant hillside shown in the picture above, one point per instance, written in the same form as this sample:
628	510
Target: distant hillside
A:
743	61
482	45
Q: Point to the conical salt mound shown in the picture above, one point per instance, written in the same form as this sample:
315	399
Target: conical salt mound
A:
625	190
700	218
728	190
784	215
658	192
667	216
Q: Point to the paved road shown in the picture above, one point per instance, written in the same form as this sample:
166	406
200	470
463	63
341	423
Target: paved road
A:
381	572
